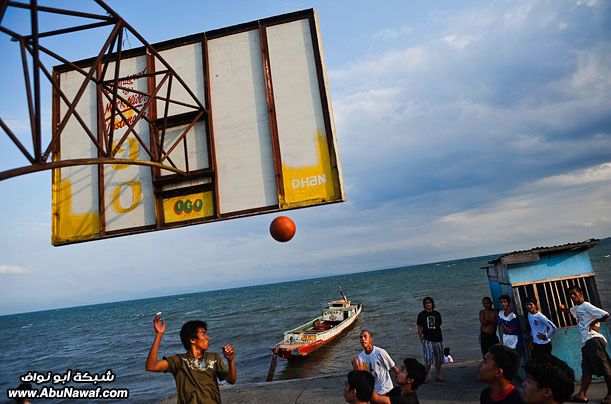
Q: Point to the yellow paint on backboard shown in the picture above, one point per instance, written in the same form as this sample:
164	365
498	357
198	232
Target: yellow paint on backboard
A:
305	185
188	207
68	226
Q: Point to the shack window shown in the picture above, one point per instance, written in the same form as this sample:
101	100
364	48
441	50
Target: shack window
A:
550	294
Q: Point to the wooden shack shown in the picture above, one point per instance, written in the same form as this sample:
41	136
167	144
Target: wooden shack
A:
547	273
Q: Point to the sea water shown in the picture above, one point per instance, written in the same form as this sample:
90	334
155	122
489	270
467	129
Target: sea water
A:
117	336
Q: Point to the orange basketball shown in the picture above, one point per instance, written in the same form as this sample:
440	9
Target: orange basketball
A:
282	229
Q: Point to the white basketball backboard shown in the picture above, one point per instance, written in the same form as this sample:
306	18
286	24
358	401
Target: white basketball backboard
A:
250	130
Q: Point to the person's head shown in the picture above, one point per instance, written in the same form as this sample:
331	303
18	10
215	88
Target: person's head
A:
487	303
446	351
428	303
366	340
531	304
499	362
505	302
359	386
194	332
23	386
576	294
412	373
548	380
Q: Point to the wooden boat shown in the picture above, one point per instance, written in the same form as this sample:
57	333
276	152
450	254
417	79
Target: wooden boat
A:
335	319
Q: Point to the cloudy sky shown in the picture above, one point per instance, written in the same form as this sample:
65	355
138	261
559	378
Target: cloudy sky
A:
465	128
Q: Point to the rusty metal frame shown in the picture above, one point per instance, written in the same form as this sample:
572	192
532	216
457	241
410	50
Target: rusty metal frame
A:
39	155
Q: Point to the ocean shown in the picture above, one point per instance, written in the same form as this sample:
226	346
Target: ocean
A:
117	336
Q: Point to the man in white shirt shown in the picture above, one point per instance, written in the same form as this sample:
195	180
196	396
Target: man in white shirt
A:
541	329
594	357
377	361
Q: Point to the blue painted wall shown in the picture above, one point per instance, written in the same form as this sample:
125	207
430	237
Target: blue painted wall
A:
495	292
566	344
553	266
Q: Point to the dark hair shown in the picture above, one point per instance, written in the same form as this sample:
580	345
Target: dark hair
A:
367	331
505	297
428	299
487	298
415	370
363	382
22	387
505	359
553	373
446	351
576	289
531	299
189	332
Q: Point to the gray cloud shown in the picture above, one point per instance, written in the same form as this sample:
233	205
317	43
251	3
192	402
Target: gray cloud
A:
509	96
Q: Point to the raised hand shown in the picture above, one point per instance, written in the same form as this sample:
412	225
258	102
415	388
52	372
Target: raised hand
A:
358	364
159	324
229	352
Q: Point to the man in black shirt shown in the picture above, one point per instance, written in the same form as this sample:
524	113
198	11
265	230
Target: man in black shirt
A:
429	331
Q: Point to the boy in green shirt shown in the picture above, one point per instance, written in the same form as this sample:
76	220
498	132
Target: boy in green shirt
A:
197	371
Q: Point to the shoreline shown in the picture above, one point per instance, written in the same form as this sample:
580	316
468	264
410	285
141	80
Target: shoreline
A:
460	386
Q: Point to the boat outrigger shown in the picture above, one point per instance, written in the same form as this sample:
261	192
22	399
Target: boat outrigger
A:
335	319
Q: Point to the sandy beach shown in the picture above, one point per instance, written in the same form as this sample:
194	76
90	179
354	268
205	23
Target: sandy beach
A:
460	386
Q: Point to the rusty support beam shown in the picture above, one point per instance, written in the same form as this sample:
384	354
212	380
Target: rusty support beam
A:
181	137
165	119
69	30
63	11
271	111
81	162
28	88
210	125
111	132
3	6
15	140
106	59
36	136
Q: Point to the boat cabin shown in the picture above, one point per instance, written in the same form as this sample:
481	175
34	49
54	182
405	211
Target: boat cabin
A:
547	273
337	311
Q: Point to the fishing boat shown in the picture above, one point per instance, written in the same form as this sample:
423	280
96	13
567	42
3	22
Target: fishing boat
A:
334	320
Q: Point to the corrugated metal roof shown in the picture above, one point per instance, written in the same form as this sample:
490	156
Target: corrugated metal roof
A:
518	256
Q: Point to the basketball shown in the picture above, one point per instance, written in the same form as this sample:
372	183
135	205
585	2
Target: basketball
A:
282	229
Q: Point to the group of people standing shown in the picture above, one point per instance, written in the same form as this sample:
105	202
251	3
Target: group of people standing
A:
547	379
509	330
509	344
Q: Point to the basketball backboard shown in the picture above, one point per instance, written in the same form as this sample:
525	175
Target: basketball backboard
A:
241	120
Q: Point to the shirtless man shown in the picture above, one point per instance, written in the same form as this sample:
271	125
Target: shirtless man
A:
488	318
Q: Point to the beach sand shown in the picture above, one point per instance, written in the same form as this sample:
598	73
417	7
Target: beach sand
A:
460	386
